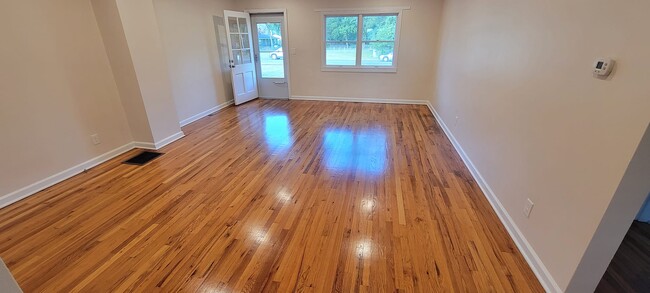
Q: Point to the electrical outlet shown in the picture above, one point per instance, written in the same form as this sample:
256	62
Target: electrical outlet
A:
95	138
528	207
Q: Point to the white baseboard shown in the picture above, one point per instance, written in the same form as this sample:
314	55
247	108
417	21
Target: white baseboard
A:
144	145
172	138
526	249
31	189
24	192
160	144
274	98
207	112
359	100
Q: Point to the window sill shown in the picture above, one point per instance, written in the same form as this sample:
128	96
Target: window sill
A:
359	69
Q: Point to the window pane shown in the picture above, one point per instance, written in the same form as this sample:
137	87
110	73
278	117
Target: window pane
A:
341	53
246	56
235	41
232	24
377	53
243	25
236	55
341	28
245	42
269	37
379	27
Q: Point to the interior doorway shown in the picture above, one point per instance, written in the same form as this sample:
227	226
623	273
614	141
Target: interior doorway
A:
271	54
629	269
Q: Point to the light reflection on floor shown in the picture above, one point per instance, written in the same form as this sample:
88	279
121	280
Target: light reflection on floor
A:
283	195
258	235
277	132
346	150
363	249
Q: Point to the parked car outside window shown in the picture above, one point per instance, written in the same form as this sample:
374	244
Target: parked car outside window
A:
277	54
386	58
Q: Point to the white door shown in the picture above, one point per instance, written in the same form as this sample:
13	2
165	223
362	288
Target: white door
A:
244	80
270	57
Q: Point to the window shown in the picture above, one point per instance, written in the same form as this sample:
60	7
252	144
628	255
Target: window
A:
364	42
269	40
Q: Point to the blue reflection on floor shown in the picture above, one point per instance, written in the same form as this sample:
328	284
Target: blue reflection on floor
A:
348	151
277	132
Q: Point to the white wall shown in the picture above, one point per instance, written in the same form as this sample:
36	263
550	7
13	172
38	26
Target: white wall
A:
417	52
534	121
199	76
56	90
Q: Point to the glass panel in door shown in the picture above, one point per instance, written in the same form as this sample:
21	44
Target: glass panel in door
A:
239	40
243	25
232	24
245	41
237	57
235	41
269	37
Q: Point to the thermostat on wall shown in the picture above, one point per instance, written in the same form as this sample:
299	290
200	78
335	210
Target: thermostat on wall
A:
603	66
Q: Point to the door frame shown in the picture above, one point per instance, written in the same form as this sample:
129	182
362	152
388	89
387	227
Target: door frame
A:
269	87
285	35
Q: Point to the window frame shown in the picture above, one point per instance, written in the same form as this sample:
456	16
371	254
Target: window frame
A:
359	42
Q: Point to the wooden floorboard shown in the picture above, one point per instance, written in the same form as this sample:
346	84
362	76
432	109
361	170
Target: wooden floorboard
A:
277	196
629	270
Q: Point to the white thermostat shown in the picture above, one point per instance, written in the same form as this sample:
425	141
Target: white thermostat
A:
603	66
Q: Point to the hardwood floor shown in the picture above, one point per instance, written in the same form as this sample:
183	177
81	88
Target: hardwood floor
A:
629	270
286	196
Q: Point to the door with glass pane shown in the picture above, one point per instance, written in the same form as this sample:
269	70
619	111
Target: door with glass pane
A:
270	55
244	80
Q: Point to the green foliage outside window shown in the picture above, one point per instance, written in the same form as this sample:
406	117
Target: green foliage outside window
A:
381	28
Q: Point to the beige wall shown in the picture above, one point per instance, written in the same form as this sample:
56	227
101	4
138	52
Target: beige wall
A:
531	117
142	33
417	52
56	90
7	281
534	121
117	49
622	209
199	76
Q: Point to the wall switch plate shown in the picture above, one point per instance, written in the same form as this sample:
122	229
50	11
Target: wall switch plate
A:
95	138
528	207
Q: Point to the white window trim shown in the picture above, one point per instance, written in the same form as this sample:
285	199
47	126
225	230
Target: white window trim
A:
357	12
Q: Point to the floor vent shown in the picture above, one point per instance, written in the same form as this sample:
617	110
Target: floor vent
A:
142	158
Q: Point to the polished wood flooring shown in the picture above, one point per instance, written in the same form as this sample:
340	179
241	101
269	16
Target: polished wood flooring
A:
629	270
278	196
